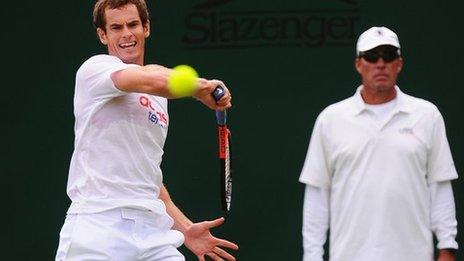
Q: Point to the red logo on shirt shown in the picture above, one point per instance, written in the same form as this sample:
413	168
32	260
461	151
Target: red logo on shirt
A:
154	115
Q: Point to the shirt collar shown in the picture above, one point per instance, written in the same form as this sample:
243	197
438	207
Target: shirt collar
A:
401	106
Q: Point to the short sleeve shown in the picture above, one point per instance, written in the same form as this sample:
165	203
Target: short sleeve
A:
94	76
316	169
440	165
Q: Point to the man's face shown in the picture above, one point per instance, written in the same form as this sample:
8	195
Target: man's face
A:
124	34
379	68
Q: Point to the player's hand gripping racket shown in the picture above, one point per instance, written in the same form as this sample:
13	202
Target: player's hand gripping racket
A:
224	153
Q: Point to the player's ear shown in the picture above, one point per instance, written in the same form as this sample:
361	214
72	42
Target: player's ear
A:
146	29
102	36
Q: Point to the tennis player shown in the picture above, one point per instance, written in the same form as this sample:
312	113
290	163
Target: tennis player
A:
120	208
378	169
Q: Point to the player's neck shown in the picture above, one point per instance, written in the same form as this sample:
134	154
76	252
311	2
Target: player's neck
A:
137	60
378	96
140	61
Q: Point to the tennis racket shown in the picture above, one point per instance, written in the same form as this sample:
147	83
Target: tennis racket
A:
224	153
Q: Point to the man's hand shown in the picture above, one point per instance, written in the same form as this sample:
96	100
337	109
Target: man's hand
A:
200	241
446	255
205	91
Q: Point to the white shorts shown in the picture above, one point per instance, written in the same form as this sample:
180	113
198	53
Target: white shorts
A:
119	234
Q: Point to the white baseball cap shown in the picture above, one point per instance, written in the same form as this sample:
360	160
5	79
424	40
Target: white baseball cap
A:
376	36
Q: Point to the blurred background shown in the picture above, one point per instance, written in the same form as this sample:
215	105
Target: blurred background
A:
284	61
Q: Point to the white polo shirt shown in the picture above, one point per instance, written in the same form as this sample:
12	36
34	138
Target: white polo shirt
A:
378	174
119	139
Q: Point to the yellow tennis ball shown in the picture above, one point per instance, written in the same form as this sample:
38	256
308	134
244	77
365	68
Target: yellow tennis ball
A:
182	81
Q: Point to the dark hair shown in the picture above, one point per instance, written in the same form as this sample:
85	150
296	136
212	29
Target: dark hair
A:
101	5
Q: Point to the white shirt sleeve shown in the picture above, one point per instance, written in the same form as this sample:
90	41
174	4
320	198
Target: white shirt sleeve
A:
95	76
316	215
443	214
316	169
440	165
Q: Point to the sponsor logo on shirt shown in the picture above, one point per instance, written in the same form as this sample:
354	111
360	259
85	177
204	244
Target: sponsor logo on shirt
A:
406	131
155	115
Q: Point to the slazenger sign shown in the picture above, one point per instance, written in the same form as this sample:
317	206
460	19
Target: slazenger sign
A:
208	28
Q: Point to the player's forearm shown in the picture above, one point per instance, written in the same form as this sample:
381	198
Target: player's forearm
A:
315	222
150	79
181	222
443	214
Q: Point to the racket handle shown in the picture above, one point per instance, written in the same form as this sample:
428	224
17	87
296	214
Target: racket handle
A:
218	93
221	116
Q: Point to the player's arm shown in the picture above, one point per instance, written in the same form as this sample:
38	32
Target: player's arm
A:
181	222
197	235
153	79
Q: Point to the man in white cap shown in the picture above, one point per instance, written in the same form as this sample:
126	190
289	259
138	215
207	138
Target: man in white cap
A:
378	169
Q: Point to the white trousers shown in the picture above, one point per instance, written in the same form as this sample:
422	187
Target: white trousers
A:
119	235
